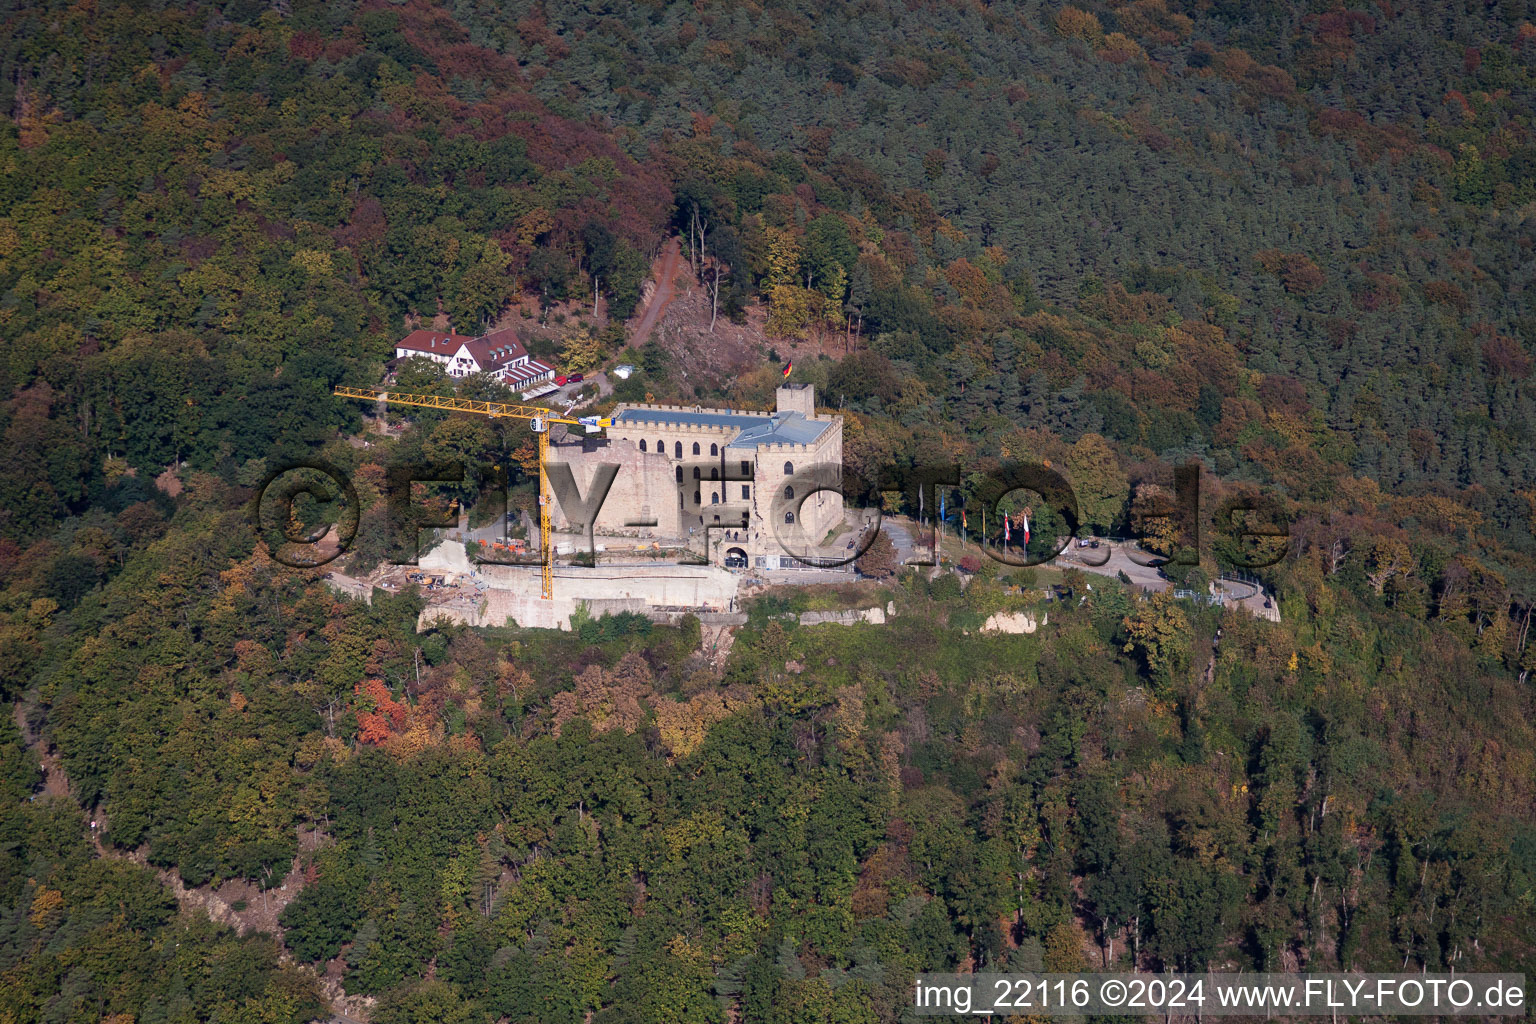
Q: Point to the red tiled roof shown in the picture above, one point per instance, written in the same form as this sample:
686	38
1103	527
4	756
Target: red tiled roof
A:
491	351
438	343
497	349
505	336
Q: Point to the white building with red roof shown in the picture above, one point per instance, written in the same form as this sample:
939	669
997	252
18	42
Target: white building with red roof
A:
500	354
438	346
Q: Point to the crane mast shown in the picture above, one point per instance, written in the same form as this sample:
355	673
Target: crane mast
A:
546	560
538	419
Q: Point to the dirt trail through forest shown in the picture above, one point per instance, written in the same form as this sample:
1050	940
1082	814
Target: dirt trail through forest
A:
55	782
664	272
258	908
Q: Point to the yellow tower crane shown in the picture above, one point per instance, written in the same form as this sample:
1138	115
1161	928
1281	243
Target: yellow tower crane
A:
538	419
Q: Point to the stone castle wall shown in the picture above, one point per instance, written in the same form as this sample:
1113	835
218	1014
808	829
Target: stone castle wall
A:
644	489
692	484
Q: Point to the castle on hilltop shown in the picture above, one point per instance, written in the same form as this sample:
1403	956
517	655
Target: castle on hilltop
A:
722	478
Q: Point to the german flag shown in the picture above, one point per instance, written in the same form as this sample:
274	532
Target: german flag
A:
789	366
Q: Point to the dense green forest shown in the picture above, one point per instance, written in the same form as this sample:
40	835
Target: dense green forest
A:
1293	242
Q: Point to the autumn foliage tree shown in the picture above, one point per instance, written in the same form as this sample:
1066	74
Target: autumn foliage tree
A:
1158	632
379	715
878	560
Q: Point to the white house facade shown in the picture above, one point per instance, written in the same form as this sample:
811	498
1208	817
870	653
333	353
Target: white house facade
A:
500	354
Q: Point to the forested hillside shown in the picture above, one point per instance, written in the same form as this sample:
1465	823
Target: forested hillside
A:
1293	242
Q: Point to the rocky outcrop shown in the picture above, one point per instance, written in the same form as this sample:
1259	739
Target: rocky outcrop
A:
847	618
1012	622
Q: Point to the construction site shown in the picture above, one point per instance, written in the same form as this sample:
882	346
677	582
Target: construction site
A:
666	511
700	503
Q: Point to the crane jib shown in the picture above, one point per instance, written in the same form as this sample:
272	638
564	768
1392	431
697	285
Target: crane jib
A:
471	405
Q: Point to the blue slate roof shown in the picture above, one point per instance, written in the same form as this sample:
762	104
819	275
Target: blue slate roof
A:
780	428
753	429
739	420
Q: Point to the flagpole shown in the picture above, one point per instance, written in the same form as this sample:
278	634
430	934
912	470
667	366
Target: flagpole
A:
938	527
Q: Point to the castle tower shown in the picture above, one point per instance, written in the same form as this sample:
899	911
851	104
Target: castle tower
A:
799	398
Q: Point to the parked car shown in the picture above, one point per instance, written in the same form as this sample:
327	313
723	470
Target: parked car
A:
576	378
561	380
735	561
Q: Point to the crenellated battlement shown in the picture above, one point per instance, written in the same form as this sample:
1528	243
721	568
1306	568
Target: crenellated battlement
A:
678	427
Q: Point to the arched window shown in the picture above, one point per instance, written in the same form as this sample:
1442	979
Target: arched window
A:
714	472
717	519
695	447
714	450
789	469
789	492
695	472
696	497
642	444
679	476
661	446
789	517
714	497
677	449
